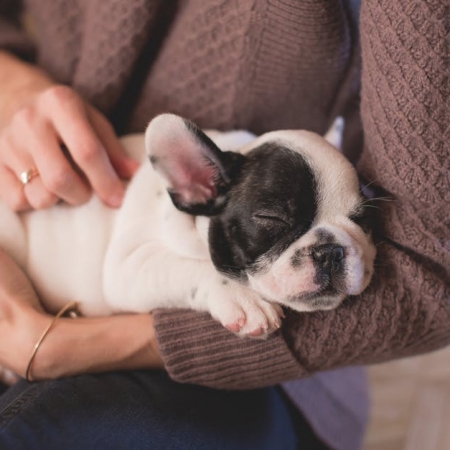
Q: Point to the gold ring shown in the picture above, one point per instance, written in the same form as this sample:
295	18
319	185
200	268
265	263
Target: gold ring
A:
26	176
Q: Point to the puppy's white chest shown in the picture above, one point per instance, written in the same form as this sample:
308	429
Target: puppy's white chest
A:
67	252
183	234
61	249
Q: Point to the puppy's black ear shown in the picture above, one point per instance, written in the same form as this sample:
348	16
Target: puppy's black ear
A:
197	172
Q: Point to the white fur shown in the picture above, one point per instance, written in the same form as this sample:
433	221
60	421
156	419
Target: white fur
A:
143	256
338	188
148	255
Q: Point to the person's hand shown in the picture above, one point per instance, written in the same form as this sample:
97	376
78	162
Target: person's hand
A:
50	128
72	346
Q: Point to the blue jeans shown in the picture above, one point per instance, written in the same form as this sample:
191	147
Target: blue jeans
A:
144	410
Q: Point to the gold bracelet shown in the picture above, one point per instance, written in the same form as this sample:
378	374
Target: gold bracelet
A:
62	311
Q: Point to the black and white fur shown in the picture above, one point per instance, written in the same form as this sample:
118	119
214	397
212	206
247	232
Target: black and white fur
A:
235	233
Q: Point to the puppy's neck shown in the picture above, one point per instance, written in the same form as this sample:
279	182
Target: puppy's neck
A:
184	234
202	227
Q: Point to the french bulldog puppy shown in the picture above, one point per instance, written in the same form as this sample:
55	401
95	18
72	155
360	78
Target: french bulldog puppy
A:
220	222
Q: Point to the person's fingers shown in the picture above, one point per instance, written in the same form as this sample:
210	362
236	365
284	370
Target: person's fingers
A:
32	143
11	190
56	174
14	161
122	163
71	122
37	194
94	156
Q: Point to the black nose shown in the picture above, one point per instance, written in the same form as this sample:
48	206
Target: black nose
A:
328	254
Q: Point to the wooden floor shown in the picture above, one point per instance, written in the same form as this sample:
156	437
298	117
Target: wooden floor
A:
411	404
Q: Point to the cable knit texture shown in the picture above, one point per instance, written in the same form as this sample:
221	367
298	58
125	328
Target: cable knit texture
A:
263	65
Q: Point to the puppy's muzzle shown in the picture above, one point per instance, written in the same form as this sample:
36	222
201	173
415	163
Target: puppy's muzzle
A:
329	260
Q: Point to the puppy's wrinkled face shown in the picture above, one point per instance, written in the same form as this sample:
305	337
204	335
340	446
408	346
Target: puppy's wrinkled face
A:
291	224
286	215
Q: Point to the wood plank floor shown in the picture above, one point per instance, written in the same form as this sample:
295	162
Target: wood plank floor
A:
411	404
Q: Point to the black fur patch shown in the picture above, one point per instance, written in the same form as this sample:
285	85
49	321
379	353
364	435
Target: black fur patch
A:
298	259
324	237
272	202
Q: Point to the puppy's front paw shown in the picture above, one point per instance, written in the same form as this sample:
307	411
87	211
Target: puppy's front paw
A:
242	311
261	317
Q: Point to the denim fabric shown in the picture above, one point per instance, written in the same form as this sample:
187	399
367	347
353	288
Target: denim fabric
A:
142	410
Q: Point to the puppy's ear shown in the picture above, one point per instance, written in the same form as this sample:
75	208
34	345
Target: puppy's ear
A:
197	172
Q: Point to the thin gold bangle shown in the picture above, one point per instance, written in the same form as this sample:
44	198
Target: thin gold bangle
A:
62	311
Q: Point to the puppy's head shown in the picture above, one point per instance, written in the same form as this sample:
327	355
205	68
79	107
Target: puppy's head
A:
287	215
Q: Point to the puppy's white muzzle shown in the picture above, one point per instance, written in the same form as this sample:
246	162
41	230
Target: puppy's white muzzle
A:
302	280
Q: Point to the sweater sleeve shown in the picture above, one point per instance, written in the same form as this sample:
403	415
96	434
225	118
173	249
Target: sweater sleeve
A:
406	309
12	37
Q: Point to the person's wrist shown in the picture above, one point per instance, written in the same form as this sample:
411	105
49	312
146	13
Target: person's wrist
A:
33	323
59	350
99	344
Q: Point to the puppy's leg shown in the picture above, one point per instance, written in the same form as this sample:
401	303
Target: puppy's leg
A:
239	308
150	277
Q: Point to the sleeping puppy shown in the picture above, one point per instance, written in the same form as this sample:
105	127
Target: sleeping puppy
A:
236	233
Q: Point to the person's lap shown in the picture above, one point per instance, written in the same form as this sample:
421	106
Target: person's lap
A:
142	410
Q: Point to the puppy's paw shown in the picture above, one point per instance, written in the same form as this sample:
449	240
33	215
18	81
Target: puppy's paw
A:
242	311
262	317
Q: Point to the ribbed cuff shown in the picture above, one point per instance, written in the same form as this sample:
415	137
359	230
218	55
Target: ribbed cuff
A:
197	349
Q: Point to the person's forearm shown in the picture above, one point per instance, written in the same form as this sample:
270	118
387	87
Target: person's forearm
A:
71	346
75	346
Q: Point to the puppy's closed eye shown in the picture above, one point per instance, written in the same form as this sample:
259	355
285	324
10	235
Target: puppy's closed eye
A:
364	216
271	219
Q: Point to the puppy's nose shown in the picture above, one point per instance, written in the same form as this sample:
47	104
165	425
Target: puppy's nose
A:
328	254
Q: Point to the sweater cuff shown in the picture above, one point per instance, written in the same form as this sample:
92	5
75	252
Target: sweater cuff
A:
16	41
197	349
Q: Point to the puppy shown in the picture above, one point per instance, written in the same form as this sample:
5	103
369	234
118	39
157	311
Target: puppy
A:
277	221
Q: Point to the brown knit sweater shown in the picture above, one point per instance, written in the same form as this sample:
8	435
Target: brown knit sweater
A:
263	65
